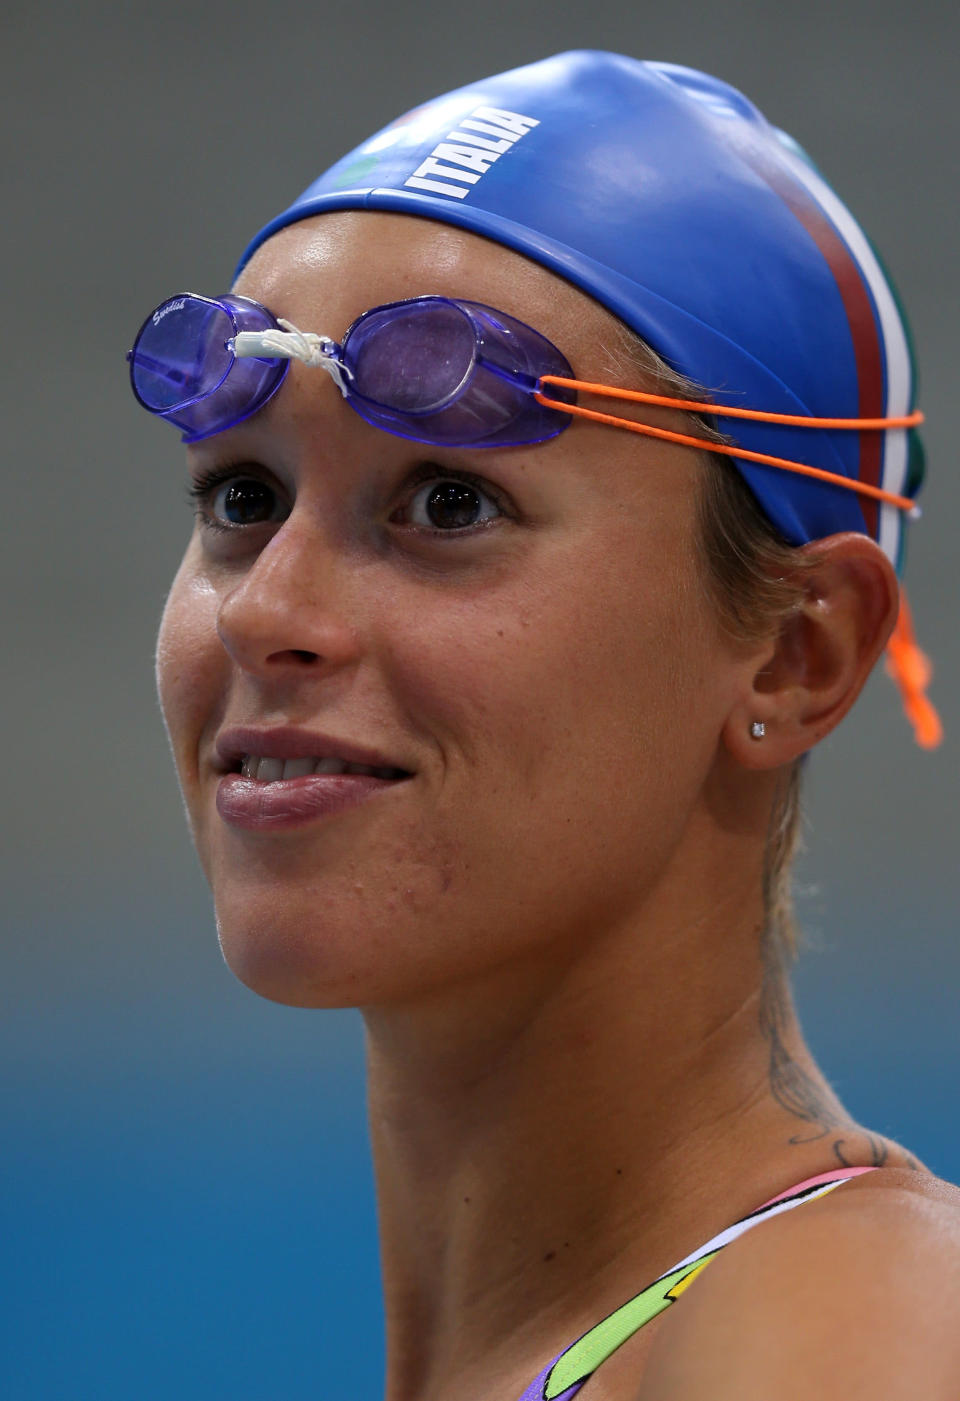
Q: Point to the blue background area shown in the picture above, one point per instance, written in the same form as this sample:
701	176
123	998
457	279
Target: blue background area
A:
186	1202
186	1205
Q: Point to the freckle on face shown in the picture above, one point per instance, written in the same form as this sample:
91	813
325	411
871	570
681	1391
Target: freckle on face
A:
537	692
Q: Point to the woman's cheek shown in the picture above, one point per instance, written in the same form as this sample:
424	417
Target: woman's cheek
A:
189	660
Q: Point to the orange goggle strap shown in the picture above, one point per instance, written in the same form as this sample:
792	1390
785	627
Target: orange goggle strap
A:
758	415
912	670
910	667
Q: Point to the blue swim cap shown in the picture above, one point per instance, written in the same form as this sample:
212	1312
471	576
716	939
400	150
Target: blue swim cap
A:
667	196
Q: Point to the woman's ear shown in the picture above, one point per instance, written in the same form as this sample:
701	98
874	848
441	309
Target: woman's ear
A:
806	678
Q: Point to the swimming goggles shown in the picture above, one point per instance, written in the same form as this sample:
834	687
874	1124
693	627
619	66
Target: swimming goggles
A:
432	369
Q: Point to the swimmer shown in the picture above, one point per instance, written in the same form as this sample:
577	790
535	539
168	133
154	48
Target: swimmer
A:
553	456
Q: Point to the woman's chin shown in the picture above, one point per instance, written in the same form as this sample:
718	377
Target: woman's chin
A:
278	961
323	961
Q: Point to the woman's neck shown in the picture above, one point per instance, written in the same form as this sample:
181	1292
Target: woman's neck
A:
546	1144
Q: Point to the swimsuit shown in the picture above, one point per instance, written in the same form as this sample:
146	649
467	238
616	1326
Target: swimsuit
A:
562	1378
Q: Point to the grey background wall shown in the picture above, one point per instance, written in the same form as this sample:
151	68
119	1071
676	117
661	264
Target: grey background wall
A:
185	1197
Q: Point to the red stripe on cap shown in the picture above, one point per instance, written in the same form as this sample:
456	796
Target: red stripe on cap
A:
858	306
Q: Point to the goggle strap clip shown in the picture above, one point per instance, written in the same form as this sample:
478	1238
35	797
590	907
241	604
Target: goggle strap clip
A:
316	352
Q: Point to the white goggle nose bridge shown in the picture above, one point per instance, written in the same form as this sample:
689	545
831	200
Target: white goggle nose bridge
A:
317	352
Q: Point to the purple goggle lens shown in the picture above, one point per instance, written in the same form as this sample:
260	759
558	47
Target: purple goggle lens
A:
183	368
453	373
435	370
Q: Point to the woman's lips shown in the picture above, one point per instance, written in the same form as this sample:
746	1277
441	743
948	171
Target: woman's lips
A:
292	802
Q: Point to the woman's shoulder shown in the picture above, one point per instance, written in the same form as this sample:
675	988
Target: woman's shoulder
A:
915	1194
854	1295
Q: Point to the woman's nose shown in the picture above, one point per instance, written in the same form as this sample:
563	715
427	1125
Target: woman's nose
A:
293	607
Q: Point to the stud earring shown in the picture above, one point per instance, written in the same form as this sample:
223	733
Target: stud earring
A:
758	729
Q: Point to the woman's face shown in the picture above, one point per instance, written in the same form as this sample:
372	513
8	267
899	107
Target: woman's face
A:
530	645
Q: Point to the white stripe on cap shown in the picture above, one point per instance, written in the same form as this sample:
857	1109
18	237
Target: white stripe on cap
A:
893	470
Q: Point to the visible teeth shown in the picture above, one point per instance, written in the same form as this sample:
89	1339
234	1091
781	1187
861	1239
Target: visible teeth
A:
272	770
296	768
330	766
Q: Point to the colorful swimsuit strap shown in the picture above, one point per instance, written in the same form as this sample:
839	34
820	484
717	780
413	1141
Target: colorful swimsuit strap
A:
562	1378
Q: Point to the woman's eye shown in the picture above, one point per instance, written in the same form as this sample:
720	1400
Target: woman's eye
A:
448	505
224	500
